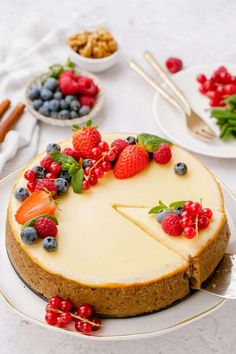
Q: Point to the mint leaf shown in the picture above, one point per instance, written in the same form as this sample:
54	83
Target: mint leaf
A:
57	156
32	221
176	205
156	209
76	180
151	142
70	64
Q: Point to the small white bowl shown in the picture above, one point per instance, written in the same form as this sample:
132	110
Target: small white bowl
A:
66	122
94	65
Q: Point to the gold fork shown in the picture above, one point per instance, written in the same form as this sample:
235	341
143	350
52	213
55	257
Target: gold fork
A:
195	124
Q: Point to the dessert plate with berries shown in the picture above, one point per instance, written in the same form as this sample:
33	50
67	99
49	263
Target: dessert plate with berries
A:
65	95
209	90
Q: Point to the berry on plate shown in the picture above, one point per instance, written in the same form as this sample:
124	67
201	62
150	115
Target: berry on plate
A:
46	162
119	145
36	204
21	194
180	169
46	227
171	225
45	185
174	65
61	185
29	235
163	154
132	160
85	139
49	243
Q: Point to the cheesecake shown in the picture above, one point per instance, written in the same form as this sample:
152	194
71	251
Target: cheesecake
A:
112	253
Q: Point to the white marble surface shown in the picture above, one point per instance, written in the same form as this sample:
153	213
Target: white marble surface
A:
197	31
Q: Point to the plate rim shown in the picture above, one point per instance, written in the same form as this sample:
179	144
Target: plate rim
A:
165	131
123	337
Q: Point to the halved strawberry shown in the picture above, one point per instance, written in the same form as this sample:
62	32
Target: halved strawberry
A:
84	139
132	160
38	203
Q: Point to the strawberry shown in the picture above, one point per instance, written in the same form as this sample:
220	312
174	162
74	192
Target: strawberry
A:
36	204
131	161
84	139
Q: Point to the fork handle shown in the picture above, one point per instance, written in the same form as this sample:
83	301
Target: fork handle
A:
152	61
133	65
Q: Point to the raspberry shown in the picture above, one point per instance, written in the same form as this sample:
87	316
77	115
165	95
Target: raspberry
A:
72	153
46	227
163	154
46	162
174	65
120	144
171	225
45	184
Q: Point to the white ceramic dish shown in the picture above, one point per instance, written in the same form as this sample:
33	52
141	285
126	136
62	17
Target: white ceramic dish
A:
172	122
94	65
29	305
67	122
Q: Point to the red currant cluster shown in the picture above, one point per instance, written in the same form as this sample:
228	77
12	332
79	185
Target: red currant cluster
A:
102	156
220	85
61	312
194	218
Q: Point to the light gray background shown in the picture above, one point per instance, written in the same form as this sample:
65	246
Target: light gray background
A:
199	32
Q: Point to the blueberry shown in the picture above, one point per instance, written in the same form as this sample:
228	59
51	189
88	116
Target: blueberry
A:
75	106
54	115
21	194
180	168
162	214
64	114
86	163
131	140
40	172
46	105
178	211
65	175
64	104
54	105
53	147
150	155
44	111
84	110
74	115
29	235
57	95
46	94
37	104
34	93
49	243
51	84
69	98
62	185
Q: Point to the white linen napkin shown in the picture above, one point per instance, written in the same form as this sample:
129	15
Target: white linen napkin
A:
36	48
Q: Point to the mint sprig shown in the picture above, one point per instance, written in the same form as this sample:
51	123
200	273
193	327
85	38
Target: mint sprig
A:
161	206
70	165
56	70
151	142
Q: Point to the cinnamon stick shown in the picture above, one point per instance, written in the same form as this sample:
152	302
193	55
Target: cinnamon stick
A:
4	105
11	120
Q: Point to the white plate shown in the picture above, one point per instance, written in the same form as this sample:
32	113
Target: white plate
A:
26	303
172	122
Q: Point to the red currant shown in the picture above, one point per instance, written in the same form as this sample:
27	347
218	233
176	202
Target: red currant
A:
174	65
201	78
86	171
189	232
30	175
55	168
213	95
195	208
93	180
78	325
106	166
203	222
103	146
221	89
54	302
86	327
96	321
186	222
99	172
50	175
66	305
31	186
187	205
110	156
65	317
60	323
185	214
96	153
51	318
85	185
207	212
85	311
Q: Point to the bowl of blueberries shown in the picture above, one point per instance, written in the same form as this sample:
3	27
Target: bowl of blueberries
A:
64	96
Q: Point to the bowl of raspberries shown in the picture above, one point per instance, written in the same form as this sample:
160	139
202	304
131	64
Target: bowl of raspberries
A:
65	95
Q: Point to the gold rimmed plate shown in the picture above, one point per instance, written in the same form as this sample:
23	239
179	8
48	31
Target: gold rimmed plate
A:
31	306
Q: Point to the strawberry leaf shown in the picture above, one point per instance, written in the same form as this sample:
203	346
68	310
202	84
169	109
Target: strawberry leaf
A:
151	142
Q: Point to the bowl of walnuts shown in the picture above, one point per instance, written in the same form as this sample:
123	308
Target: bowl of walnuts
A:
95	51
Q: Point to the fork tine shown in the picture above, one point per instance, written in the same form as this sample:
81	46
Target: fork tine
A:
203	135
209	131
